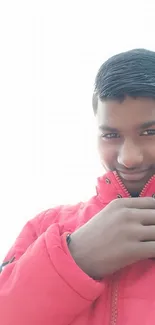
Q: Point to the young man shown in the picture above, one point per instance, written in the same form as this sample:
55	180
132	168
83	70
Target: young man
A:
93	263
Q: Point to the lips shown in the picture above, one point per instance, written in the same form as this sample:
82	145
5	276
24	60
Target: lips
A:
136	176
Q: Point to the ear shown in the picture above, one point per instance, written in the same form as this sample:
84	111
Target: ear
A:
95	102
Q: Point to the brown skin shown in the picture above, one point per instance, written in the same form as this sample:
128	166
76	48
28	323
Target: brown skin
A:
129	147
124	231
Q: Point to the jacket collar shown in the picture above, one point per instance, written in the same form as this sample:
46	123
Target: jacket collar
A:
110	187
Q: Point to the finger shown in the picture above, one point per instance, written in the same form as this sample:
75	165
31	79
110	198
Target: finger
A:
146	233
138	203
146	250
145	216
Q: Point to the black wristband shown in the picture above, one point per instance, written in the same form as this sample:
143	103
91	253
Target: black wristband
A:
68	239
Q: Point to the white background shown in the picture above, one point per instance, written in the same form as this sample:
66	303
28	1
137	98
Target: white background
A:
50	52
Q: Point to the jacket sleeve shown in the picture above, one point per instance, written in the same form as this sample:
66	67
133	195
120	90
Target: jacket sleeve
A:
43	284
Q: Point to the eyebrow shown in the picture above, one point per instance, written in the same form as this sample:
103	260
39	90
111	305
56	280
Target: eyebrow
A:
107	128
145	125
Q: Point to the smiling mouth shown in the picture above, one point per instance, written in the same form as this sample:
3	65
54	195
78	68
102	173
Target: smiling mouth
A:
133	176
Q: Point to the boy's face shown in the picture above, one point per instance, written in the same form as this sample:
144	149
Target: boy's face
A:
126	139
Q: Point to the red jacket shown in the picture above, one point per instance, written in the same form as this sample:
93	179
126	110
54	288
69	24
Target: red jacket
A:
43	285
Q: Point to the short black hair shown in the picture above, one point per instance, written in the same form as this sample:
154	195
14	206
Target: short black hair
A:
130	73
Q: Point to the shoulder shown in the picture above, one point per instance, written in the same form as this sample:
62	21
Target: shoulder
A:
64	215
35	227
69	217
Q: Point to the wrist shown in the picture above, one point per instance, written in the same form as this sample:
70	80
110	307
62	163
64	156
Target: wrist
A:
81	255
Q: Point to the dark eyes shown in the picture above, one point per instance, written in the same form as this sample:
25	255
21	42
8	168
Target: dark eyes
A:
113	135
149	132
110	135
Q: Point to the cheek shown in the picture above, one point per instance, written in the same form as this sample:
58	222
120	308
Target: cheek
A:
108	154
148	150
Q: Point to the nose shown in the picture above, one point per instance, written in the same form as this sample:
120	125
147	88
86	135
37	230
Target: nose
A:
130	155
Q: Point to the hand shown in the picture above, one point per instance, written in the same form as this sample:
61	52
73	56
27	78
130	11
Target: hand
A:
119	235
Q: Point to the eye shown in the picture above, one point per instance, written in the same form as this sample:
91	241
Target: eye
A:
110	136
148	132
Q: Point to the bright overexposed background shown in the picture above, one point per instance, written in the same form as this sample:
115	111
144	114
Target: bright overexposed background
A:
50	52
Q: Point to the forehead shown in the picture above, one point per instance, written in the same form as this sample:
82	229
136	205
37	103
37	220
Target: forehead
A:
127	114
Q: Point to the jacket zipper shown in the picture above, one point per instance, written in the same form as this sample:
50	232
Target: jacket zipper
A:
146	186
121	185
115	285
126	191
114	302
